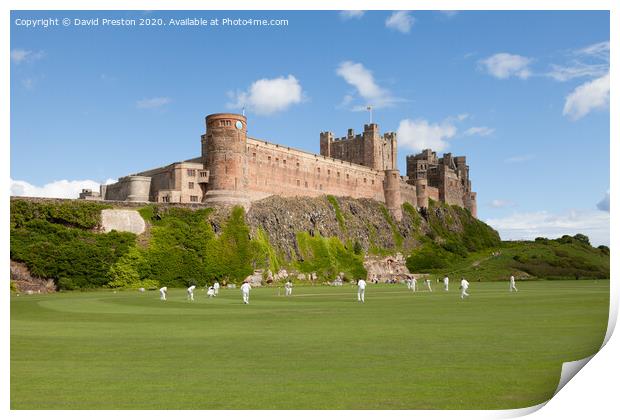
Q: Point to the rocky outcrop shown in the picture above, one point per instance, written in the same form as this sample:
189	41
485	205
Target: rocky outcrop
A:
26	283
362	221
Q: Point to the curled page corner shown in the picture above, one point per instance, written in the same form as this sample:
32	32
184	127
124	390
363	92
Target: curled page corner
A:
613	317
570	369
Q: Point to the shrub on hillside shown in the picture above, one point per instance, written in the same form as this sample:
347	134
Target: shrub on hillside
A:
429	256
79	214
55	251
327	257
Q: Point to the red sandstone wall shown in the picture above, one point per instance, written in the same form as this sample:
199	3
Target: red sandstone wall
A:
433	193
275	169
408	194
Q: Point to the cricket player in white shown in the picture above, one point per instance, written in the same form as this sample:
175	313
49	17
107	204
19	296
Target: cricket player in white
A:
190	292
446	281
216	288
428	284
464	286
163	292
414	284
513	286
245	292
408	281
288	288
210	291
361	288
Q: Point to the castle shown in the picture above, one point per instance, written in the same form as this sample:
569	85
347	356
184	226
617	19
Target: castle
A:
236	169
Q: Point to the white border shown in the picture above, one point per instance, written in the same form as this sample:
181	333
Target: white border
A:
592	393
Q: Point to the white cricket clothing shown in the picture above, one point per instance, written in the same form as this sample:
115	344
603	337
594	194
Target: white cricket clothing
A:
190	292
245	292
446	282
211	292
513	286
361	289
288	288
216	288
163	292
414	284
428	284
464	286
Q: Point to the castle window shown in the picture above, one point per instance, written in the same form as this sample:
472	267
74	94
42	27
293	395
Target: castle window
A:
203	174
165	199
191	185
364	180
191	172
329	172
298	183
306	184
318	170
338	174
254	155
372	182
284	162
269	159
347	176
277	160
193	198
321	187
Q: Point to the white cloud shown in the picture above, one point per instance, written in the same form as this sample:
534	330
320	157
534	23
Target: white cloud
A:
599	50
603	205
420	134
56	189
591	61
479	131
587	97
577	69
504	66
269	96
152	103
351	14
519	158
19	55
501	203
364	83
462	117
528	226
400	21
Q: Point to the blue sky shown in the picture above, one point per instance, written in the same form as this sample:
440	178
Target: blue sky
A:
522	94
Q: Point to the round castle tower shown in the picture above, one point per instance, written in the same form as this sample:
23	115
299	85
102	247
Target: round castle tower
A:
421	193
391	191
224	156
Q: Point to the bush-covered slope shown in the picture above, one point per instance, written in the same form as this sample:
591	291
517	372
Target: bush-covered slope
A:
326	235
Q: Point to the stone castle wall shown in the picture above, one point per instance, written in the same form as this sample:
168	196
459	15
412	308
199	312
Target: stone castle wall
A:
129	188
285	171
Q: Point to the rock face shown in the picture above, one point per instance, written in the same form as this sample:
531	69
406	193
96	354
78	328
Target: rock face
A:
361	220
386	268
122	221
26	283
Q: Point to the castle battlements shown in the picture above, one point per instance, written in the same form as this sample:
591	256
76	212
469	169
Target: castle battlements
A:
234	168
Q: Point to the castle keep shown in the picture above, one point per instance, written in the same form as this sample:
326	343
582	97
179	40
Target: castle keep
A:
236	169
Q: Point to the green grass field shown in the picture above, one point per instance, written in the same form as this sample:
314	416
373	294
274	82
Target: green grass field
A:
319	349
